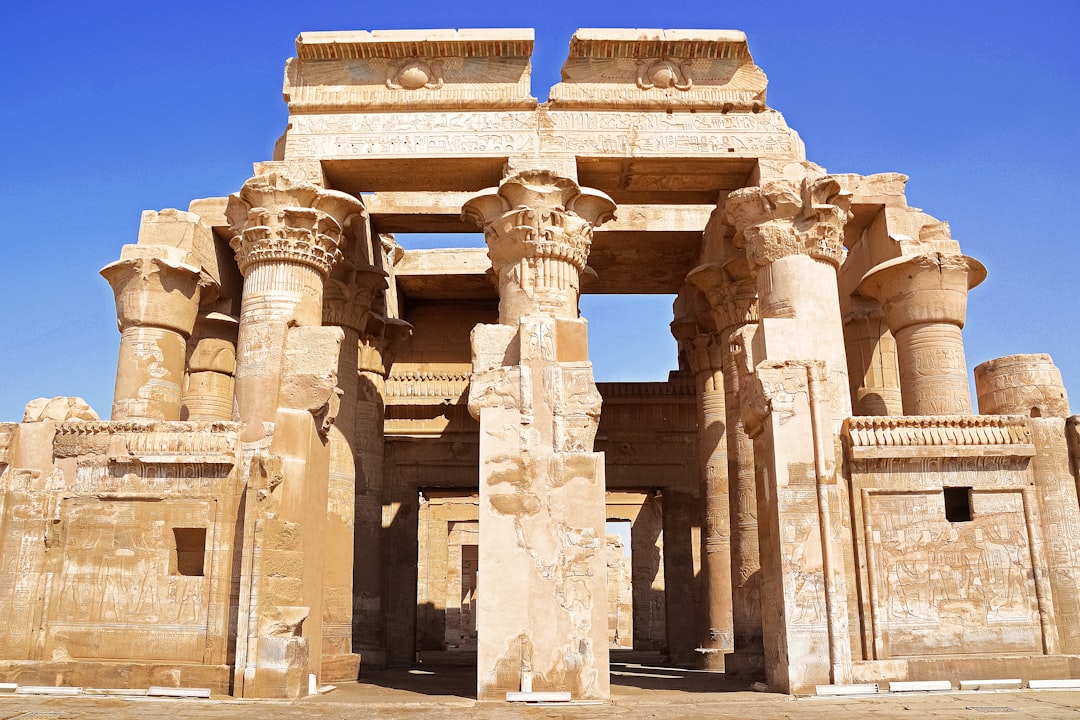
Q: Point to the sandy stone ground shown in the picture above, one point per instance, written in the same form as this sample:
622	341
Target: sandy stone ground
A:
638	691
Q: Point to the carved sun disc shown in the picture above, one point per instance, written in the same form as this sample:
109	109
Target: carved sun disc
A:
414	74
664	74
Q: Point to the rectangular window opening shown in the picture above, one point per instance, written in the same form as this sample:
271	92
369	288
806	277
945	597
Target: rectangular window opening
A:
190	552
958	504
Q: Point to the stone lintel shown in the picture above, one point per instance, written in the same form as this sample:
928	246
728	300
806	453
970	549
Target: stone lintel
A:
671	69
362	71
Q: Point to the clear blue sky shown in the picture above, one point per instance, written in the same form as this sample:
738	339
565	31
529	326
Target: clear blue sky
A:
112	108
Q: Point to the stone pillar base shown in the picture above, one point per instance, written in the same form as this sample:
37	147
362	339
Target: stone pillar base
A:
340	668
373	659
745	665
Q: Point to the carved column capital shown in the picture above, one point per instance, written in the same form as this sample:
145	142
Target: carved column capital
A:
380	342
916	289
275	218
789	217
348	303
733	300
538	227
155	292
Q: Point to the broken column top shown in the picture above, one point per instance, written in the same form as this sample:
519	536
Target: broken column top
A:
401	70
660	69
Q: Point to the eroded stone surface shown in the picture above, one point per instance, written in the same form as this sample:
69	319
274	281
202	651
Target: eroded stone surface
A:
329	453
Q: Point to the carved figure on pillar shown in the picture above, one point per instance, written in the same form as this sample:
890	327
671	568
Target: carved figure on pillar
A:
542	511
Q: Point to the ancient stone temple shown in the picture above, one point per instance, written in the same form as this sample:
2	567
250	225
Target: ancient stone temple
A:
329	453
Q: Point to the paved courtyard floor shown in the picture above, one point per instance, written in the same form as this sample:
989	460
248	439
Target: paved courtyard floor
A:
638	691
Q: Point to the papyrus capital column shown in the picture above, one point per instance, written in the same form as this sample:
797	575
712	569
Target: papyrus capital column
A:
702	351
347	303
925	302
538	228
288	235
733	300
793	233
157	301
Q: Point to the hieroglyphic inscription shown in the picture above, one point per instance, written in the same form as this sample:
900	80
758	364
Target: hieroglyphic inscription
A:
515	133
946	587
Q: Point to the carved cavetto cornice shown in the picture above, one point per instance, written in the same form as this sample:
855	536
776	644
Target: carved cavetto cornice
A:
149	441
660	69
363	71
276	218
427	387
938	436
791	217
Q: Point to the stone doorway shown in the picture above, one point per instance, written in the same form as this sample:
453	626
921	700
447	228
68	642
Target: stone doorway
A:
447	579
636	582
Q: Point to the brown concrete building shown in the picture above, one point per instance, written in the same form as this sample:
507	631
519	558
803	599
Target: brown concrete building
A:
329	454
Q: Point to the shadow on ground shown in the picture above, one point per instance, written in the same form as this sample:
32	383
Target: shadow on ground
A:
435	679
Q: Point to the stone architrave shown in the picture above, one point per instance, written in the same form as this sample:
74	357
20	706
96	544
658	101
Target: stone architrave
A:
925	301
793	233
733	300
157	301
543	620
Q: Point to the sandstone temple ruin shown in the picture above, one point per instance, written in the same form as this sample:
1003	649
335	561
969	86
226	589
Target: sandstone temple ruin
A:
328	453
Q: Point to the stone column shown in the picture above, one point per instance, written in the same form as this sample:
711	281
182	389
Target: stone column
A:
871	351
702	351
287	239
925	300
543	618
288	236
346	304
378	344
1021	385
733	300
157	301
794	397
211	369
793	232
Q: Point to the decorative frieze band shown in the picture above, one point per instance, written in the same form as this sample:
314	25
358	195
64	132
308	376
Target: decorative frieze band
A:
953	435
426	387
150	442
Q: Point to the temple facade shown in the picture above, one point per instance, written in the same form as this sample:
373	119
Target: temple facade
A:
329	453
